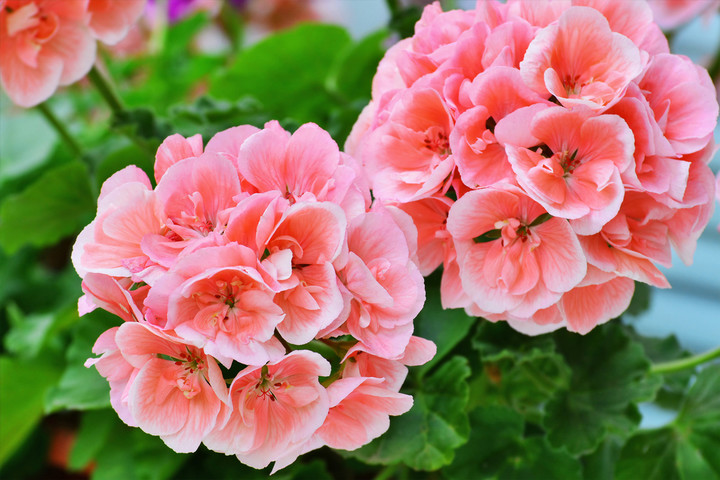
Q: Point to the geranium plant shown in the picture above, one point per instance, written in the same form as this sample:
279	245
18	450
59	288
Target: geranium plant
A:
402	256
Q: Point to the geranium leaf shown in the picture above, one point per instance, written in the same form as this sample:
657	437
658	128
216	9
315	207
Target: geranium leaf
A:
58	203
609	377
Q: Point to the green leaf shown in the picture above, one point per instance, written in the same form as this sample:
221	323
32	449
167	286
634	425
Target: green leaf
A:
131	454
24	384
600	465
426	437
82	388
609	377
649	456
675	384
287	72
519	371
57	204
27	142
488	236
355	67
94	431
403	20
498	449
208	116
122	157
641	299
31	334
494	432
688	448
144	125
444	327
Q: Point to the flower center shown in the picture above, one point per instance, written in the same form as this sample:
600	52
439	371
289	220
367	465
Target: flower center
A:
29	17
436	140
267	384
192	368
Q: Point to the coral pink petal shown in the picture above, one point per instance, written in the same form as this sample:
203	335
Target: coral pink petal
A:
560	255
110	20
585	307
301	324
129	174
175	148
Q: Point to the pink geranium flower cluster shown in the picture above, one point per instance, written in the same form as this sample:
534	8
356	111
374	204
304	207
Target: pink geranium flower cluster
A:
50	43
549	152
252	253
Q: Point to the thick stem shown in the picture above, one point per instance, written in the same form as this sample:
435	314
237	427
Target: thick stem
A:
106	90
685	363
61	130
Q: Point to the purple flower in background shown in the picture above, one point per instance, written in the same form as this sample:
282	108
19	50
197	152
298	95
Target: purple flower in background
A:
177	9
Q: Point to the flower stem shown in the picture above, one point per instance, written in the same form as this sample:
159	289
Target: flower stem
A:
61	130
107	91
685	363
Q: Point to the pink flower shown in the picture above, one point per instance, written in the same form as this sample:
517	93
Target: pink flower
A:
220	299
196	196
523	263
174	390
298	244
49	43
597	299
594	302
359	411
175	148
433	43
409	155
305	243
581	61
430	217
128	210
306	162
118	372
45	44
110	20
670	14
540	13
682	97
578	175
495	93
359	363
631	19
112	295
386	286
274	408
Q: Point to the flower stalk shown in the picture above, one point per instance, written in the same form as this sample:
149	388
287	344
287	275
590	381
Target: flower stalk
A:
685	363
60	128
107	91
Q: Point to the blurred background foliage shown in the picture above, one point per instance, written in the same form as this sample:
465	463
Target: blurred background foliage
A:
492	404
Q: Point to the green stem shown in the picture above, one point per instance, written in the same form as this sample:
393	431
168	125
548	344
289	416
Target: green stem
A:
61	130
685	363
107	91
